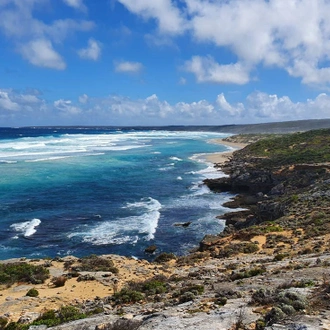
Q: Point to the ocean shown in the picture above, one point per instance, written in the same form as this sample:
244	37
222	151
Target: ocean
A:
81	191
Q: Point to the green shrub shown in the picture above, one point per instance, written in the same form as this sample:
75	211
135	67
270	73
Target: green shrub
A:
94	263
22	272
32	293
262	297
155	285
248	273
187	296
304	283
16	326
188	293
250	248
126	296
280	256
271	229
164	257
260	324
221	301
70	313
3	322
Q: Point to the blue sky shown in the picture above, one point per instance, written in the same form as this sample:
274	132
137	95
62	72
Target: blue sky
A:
163	62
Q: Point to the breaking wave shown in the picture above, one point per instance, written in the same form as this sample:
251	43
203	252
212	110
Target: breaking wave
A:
27	228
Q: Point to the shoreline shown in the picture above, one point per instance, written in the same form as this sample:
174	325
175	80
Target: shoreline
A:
13	298
219	158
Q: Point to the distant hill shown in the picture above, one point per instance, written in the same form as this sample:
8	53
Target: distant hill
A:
278	127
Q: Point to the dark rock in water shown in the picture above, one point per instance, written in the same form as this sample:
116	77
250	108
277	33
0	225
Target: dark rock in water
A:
184	224
150	249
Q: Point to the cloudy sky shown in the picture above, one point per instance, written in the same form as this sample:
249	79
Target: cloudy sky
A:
161	62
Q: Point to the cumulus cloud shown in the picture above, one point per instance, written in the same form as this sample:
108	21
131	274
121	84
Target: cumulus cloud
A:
92	52
41	53
206	69
76	4
30	34
164	12
6	104
291	35
232	110
66	107
128	67
17	108
26	108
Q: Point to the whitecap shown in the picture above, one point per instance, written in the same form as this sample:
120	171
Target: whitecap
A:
126	230
201	189
27	228
167	168
8	161
176	159
179	178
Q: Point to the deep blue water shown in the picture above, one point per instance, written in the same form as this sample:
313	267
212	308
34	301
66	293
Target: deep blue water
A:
104	190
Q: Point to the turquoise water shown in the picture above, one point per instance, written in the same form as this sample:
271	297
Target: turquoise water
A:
81	191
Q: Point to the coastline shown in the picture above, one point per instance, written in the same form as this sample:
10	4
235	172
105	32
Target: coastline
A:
13	298
216	287
220	158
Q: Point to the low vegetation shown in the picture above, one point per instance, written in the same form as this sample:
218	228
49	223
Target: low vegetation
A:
297	148
22	272
94	263
32	293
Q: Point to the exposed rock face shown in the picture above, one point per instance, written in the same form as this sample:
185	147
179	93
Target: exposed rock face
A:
270	191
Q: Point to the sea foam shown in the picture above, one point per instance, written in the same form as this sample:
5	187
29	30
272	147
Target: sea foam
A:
128	229
27	228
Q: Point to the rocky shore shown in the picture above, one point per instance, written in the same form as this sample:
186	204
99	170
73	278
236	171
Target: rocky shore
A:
269	269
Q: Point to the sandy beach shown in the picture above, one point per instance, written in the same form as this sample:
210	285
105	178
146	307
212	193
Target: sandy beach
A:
222	157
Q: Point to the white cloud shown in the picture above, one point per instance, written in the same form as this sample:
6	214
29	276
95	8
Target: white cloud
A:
207	70
232	110
83	99
164	12
291	35
30	34
66	107
26	108
6	103
92	52
128	67
41	53
76	4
